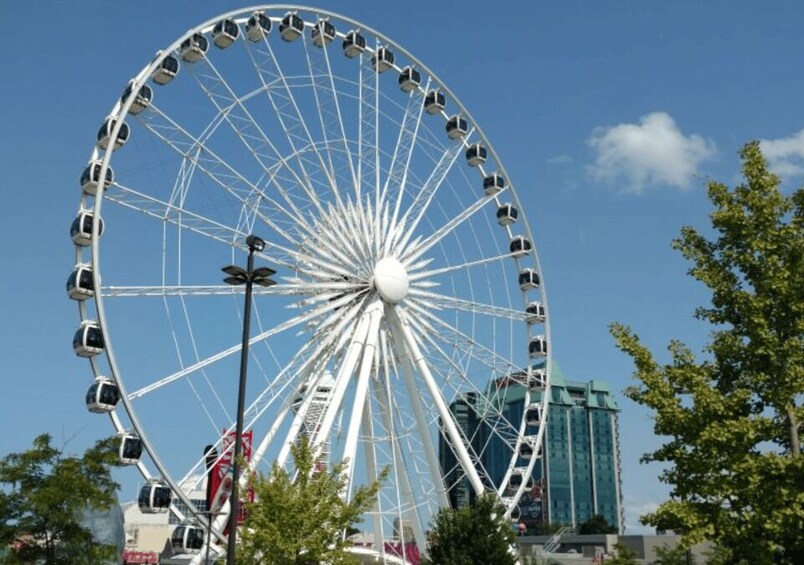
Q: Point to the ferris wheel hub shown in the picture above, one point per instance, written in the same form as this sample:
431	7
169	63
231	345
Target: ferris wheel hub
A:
391	279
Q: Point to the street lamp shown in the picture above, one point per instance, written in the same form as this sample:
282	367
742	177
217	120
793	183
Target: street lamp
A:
238	276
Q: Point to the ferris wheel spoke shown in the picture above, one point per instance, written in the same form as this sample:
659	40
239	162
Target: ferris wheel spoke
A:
366	140
289	115
421	202
400	164
416	250
441	301
417	276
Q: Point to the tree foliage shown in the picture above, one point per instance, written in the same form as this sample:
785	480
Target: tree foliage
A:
732	420
43	498
678	555
302	521
597	524
470	535
622	556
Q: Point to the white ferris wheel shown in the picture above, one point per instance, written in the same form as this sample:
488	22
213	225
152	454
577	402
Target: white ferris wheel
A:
410	305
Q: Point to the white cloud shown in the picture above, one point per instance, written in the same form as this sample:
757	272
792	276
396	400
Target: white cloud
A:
634	509
786	155
652	152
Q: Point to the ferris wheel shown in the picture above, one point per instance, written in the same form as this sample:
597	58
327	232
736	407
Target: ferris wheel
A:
409	326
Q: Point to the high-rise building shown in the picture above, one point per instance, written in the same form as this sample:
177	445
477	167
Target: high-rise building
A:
578	474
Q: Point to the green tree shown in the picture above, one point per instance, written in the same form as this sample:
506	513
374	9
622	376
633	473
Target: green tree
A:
597	524
43	498
677	555
470	535
302	521
733	419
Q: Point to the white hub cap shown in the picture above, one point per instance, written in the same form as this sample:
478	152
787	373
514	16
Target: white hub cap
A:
391	279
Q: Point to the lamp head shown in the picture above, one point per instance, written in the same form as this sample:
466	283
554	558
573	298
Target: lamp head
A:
255	243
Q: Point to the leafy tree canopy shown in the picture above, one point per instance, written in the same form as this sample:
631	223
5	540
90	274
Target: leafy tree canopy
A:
303	521
732	421
43	497
597	524
471	535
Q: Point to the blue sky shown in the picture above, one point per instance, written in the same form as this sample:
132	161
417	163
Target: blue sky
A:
609	116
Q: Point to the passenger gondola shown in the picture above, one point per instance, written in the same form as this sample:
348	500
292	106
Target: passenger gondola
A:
534	414
537	380
409	79
187	538
88	339
225	33
529	279
79	283
90	177
382	60
520	246
81	228
457	127
194	48
515	481
105	134
493	184
166	71
534	312
353	44
507	214
141	101
476	154
258	26
291	27
434	102
130	449
154	498
323	33
537	347
525	451
102	395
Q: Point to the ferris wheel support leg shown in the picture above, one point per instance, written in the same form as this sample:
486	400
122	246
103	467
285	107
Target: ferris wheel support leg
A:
371	470
400	470
453	433
374	313
345	373
418	411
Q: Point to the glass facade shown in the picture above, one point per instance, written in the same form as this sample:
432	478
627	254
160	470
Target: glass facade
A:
578	475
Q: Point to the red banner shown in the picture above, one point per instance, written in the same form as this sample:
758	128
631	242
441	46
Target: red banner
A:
221	469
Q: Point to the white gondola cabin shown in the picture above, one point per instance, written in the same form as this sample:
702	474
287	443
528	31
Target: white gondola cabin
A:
166	71
88	339
456	127
520	246
434	102
529	279
409	79
225	33
154	498
493	184
507	214
194	48
105	134
476	154
291	27
79	283
525	451
534	312
90	177
515	481
258	26
537	379
533	415
382	60
187	538
537	347
81	228
102	396
141	101
353	44
130	449
323	33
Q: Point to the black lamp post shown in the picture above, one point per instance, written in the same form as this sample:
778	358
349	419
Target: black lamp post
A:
238	276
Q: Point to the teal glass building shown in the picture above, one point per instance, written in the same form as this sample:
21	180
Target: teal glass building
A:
578	474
